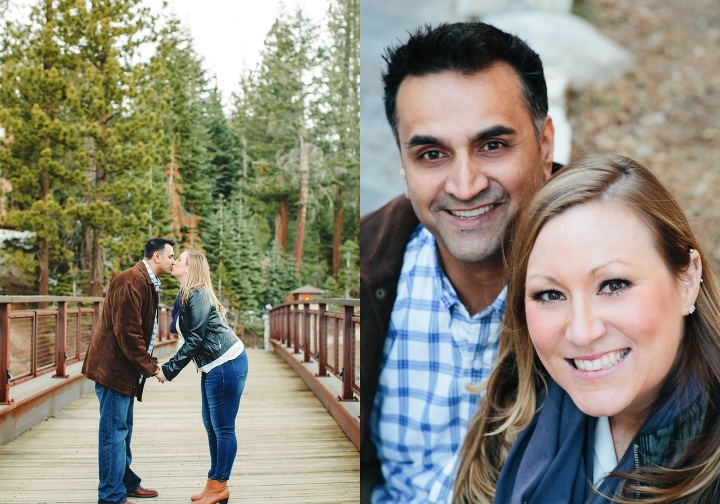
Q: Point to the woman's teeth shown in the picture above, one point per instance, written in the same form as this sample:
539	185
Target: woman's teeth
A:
603	362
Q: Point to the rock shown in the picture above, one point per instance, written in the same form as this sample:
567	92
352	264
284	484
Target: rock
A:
567	43
474	9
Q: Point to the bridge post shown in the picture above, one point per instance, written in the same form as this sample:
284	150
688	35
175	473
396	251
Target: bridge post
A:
61	340
266	327
306	332
348	350
4	353
322	340
296	329
288	326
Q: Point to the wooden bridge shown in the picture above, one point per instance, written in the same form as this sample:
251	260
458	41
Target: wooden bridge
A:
290	449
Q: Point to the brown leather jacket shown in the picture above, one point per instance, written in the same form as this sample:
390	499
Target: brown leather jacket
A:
383	237
118	354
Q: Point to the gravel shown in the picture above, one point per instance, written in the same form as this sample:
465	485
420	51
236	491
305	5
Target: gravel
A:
665	112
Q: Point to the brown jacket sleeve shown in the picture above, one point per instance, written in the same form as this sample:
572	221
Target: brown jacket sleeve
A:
127	318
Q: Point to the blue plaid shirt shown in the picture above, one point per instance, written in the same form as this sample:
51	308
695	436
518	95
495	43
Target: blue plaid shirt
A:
433	350
156	281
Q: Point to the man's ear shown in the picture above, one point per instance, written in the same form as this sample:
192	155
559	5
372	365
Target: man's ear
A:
691	279
404	176
547	146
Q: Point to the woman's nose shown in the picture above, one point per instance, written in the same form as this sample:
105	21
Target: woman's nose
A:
584	326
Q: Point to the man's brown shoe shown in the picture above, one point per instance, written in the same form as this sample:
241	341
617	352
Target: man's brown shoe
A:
143	493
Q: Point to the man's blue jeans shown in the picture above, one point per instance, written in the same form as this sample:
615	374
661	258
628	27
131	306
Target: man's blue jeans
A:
221	390
114	455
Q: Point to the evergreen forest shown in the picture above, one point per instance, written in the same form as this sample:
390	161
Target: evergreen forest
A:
112	132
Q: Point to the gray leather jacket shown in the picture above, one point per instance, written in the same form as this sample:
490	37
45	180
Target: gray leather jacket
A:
206	335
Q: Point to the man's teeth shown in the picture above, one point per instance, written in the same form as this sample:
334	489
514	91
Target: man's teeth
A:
468	214
602	363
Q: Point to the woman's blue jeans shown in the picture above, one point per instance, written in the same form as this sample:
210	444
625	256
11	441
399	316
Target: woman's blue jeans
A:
114	455
221	390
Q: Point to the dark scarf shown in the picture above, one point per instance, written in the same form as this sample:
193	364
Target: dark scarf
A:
552	460
174	314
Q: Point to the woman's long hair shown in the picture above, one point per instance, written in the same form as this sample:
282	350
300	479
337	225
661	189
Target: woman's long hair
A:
198	277
512	394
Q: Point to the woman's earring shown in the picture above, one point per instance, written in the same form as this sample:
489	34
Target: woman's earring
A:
691	309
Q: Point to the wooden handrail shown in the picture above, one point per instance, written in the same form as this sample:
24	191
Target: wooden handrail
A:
64	335
49	299
291	324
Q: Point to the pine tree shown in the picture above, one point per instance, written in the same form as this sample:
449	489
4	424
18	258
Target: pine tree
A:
338	116
222	149
179	87
38	160
181	84
249	283
124	198
271	115
279	276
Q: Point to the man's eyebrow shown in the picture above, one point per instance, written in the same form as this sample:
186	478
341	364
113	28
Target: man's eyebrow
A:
491	132
418	140
494	131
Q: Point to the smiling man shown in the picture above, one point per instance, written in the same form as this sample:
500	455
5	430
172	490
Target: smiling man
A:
467	104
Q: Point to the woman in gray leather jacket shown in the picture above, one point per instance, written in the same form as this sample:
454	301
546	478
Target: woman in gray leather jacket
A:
220	356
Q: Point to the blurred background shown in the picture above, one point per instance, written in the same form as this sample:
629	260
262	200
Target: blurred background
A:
634	77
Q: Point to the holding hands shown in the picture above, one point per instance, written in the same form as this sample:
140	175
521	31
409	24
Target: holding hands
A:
160	376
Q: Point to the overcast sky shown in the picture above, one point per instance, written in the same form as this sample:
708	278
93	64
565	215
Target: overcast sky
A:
229	34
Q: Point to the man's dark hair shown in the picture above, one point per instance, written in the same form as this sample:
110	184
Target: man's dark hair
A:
467	48
156	245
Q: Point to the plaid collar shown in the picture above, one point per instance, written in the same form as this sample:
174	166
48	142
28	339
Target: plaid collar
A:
155	280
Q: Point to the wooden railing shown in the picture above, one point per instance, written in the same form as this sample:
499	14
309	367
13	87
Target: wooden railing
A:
326	331
44	334
320	341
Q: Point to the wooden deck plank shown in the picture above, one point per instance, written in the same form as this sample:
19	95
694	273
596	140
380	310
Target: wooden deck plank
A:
290	450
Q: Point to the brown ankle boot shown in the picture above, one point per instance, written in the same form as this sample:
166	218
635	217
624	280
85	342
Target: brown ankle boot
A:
217	493
199	496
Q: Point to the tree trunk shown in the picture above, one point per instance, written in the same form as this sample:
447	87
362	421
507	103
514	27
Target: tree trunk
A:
337	233
281	224
93	263
92	254
302	204
43	256
43	270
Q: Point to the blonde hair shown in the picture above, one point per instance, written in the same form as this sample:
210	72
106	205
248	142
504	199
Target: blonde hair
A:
198	277
514	386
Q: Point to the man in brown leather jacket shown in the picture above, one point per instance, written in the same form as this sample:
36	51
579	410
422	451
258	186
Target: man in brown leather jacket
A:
467	104
119	359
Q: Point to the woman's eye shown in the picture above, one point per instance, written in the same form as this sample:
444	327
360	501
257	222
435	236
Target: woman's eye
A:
548	296
614	286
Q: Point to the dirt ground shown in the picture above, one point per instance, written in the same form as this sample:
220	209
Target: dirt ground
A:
665	112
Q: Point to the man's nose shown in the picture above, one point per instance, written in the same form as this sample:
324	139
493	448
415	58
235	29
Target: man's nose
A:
467	178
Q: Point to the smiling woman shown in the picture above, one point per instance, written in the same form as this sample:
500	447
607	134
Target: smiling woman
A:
603	388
